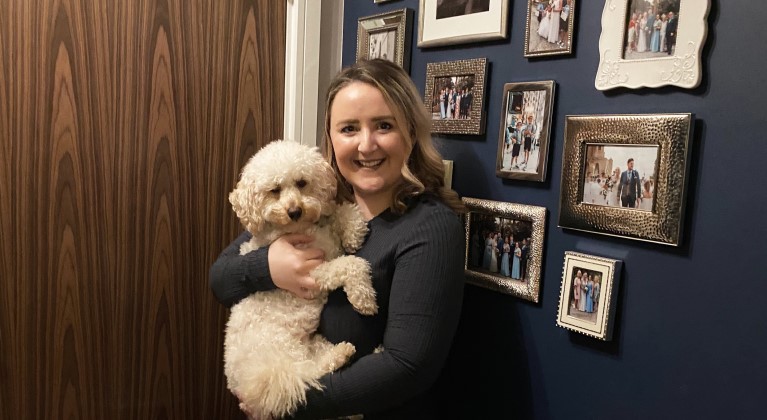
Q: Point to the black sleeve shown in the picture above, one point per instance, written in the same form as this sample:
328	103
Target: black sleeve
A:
423	314
233	276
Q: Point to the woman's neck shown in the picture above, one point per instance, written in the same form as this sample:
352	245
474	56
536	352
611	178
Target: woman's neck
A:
372	206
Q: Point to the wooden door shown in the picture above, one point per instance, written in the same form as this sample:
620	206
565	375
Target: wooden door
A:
123	126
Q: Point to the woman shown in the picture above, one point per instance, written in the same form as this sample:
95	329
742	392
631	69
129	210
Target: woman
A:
543	26
556	9
377	138
493	244
489	245
505	259
655	39
642	32
515	272
590	295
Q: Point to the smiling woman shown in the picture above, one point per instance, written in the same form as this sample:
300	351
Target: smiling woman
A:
378	140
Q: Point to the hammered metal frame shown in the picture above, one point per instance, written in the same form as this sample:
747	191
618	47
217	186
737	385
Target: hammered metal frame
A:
477	67
610	270
528	288
400	20
670	132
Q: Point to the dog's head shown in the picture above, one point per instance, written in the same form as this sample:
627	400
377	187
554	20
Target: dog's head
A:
286	186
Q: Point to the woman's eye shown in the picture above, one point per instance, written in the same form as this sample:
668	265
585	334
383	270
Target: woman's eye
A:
347	129
385	126
300	183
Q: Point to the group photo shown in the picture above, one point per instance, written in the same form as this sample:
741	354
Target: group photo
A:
620	176
452	97
549	25
651	29
584	294
499	246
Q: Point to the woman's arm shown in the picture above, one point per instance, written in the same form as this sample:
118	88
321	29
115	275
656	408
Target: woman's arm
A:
286	264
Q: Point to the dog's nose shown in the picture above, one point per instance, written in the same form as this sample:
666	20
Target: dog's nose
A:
294	213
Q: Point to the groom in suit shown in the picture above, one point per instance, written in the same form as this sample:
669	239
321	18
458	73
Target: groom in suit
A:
671	32
628	188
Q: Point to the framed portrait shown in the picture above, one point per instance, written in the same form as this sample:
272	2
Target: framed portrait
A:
588	296
523	140
626	175
504	246
651	44
454	96
387	36
451	22
549	27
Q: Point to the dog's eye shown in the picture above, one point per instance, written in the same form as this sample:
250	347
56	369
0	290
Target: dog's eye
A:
300	183
275	190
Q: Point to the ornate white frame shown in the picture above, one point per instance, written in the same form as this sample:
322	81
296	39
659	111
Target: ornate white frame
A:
682	69
464	29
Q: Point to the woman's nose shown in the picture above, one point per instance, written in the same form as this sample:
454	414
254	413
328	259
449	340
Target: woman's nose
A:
368	141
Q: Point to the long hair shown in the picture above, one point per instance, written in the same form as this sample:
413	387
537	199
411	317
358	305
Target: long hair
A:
423	171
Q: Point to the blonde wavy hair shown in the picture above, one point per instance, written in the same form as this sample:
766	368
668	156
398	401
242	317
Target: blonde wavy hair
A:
423	171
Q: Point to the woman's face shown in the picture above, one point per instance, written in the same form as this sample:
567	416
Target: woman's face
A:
368	145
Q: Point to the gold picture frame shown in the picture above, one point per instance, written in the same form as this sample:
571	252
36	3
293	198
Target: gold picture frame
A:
454	96
386	35
522	224
604	192
588	296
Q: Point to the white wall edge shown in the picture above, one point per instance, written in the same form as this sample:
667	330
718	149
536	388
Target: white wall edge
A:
312	57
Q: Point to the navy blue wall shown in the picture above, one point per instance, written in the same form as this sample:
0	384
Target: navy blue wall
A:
691	334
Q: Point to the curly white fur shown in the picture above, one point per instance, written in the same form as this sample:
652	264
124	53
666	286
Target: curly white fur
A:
272	353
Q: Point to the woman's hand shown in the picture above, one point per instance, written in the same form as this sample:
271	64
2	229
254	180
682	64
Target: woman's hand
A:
290	262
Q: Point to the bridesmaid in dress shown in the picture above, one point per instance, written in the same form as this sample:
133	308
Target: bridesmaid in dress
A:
505	259
655	40
516	261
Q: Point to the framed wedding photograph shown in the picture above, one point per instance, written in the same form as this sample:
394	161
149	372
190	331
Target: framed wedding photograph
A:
588	296
652	44
626	175
549	27
449	22
504	246
454	96
523	141
386	36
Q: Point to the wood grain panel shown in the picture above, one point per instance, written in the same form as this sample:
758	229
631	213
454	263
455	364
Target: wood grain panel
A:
123	126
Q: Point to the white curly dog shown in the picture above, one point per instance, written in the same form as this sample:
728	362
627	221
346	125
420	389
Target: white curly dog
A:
272	352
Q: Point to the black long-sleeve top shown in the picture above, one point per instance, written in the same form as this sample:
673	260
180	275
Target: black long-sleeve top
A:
417	261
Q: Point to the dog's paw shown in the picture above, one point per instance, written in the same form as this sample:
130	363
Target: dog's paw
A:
339	355
352	227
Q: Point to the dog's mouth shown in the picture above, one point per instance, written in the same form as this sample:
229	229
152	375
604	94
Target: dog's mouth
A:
369	164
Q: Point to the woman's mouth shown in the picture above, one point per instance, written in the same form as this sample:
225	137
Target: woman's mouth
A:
371	164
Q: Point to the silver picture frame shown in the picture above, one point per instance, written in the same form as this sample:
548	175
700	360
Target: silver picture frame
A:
387	36
522	224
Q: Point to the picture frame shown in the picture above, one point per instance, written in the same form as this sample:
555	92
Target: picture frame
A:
386	35
484	266
525	105
381	1
626	61
541	39
589	308
448	23
448	85
602	192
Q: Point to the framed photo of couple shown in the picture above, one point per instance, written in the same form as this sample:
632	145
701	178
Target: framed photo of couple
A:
504	246
588	296
652	43
523	141
626	175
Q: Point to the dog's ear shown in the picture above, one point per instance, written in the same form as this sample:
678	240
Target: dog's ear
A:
246	205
